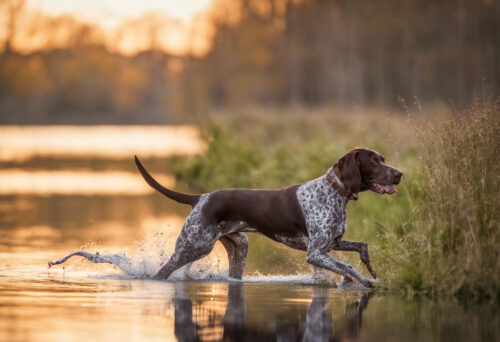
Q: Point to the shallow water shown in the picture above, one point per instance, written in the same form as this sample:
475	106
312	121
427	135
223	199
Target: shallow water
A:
277	300
88	304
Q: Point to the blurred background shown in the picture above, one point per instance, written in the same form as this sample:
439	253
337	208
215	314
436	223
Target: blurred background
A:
165	62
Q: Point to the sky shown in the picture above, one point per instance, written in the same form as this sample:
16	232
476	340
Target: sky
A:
185	31
109	13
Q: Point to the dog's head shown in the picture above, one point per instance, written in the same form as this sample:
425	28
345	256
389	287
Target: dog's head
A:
363	169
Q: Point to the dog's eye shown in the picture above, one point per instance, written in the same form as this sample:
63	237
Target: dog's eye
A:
374	162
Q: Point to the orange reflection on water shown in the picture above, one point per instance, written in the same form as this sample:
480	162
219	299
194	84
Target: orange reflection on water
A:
108	235
143	244
16	181
114	142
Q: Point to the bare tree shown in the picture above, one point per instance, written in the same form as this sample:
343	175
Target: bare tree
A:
12	8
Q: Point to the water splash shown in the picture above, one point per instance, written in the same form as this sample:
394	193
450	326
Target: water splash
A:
144	265
128	266
147	258
150	255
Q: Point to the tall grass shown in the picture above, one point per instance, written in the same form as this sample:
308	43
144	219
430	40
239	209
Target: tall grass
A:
232	161
275	148
451	244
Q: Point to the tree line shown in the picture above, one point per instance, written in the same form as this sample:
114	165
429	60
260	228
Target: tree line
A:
272	52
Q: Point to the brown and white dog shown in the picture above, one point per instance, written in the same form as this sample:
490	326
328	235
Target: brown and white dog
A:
309	216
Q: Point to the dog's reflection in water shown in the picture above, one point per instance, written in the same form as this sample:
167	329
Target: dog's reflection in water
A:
318	326
184	327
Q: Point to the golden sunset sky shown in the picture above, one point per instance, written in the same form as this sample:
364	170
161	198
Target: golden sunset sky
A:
110	13
124	25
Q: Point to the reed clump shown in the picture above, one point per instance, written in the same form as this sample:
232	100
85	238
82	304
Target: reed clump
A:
451	243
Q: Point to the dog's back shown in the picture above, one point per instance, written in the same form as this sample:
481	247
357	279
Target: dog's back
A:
268	211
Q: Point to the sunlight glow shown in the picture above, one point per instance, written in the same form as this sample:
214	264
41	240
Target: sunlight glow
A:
24	142
109	13
15	181
127	26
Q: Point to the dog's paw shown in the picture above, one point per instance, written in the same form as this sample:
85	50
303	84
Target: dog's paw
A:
371	283
345	281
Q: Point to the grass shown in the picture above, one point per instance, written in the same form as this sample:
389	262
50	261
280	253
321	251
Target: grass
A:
274	148
437	236
450	244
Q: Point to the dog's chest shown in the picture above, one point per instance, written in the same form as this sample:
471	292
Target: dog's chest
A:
322	207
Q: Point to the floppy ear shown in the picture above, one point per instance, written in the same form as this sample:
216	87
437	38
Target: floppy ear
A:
349	172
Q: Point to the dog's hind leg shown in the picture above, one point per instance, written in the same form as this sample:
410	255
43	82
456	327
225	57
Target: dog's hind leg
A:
192	244
236	245
181	257
195	241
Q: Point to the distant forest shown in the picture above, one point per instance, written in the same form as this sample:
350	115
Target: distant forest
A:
266	53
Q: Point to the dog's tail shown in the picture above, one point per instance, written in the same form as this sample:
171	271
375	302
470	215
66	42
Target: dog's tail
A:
176	196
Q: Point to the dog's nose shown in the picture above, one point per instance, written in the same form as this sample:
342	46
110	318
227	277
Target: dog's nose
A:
397	176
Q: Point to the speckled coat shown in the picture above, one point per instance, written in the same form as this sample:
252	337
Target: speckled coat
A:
320	209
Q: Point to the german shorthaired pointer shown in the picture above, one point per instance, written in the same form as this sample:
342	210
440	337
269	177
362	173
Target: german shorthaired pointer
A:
309	216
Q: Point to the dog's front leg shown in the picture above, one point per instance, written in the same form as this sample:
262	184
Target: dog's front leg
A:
317	255
361	248
334	265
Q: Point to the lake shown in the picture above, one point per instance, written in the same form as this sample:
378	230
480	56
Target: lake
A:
64	189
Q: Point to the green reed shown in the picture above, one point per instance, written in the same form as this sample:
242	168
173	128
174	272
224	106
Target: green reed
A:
450	245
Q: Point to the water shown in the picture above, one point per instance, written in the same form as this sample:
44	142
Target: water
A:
52	204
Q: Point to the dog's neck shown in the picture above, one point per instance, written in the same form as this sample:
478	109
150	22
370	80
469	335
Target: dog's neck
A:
337	184
319	191
332	197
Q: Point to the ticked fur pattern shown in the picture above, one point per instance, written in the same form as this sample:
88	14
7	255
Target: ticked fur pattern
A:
325	214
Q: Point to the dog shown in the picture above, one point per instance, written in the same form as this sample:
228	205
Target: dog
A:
311	216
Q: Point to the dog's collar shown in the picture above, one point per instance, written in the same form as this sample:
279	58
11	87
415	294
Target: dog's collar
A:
333	176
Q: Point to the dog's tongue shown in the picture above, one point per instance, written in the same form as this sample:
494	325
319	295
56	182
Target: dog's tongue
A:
389	189
386	188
